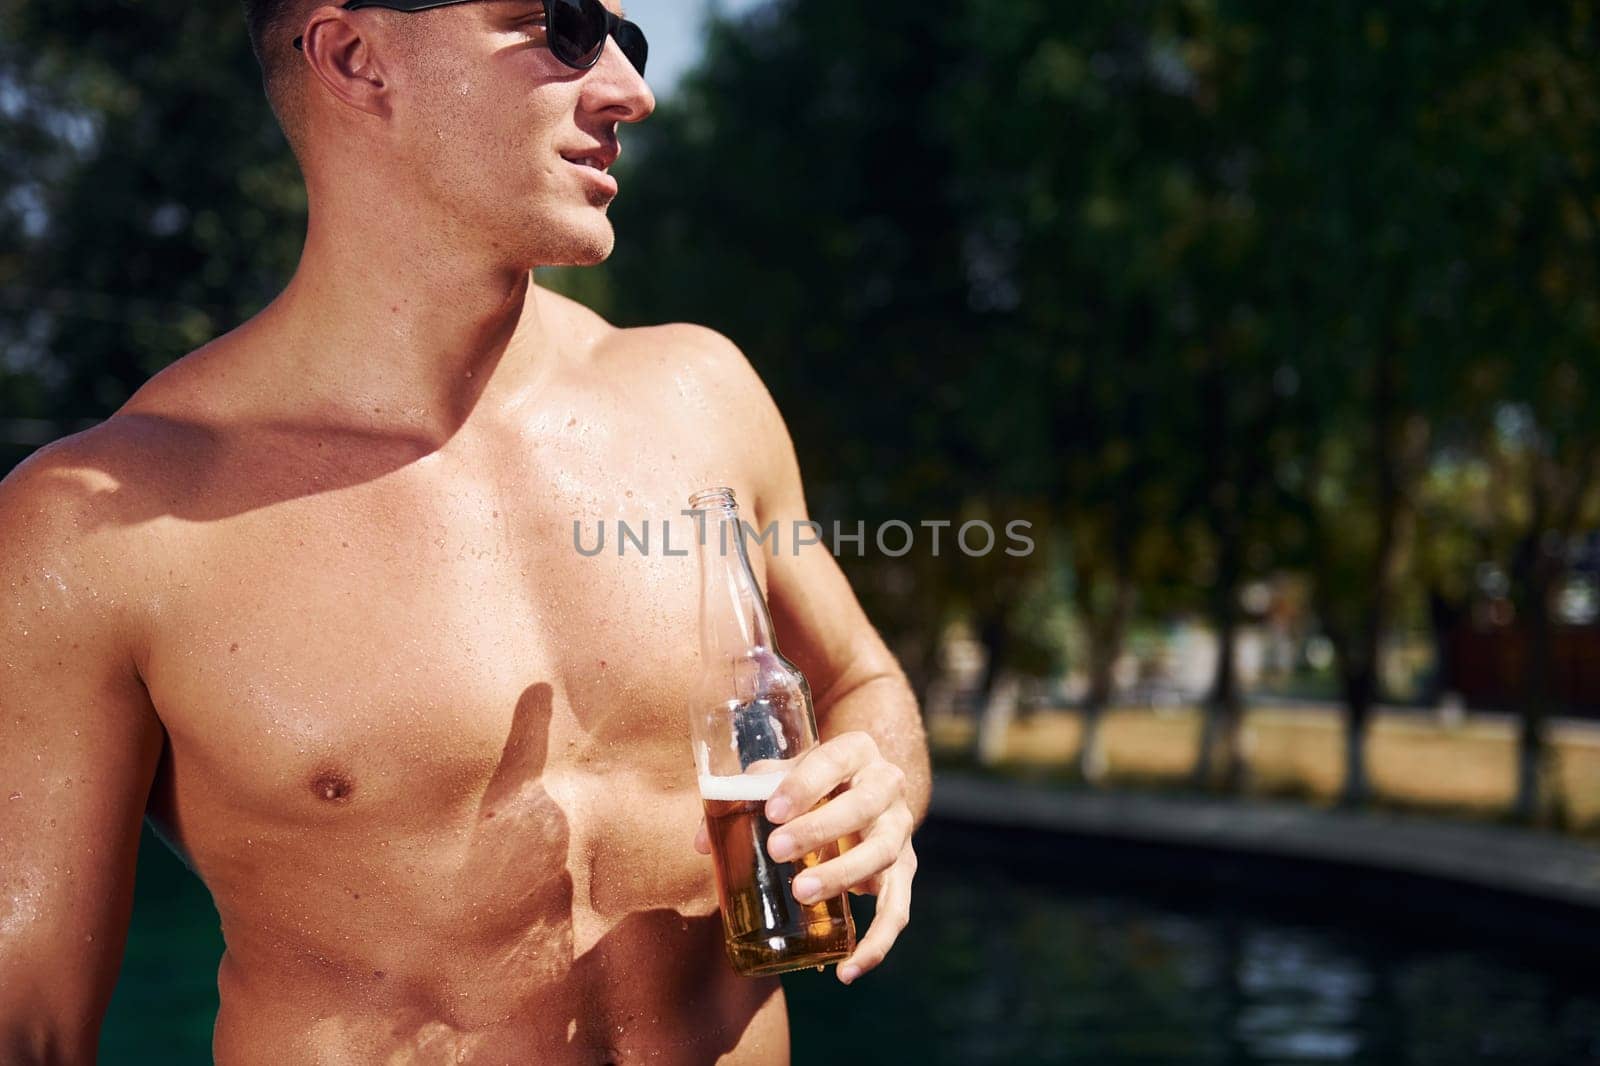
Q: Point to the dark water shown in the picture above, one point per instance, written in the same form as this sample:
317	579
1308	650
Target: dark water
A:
1047	954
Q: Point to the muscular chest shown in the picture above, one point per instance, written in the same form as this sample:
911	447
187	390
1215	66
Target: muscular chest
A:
396	640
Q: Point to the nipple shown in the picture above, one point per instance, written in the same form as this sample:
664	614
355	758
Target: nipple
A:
333	786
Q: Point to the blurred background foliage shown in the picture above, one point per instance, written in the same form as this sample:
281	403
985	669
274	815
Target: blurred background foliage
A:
1263	314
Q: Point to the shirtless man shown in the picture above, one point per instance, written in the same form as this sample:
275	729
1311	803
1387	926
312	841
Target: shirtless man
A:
310	601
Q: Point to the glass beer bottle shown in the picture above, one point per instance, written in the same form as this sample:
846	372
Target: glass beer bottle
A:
750	721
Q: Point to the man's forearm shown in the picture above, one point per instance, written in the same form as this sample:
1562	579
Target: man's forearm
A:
884	706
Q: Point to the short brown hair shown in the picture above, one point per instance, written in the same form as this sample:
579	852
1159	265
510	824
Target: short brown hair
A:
273	25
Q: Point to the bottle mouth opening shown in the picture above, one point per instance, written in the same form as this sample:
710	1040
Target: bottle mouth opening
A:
720	496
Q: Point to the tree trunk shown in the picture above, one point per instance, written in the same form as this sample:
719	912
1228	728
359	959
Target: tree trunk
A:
1357	646
1360	686
1231	475
994	723
1444	616
1220	762
1357	652
1105	629
1533	770
1537	791
1559	497
1091	745
996	702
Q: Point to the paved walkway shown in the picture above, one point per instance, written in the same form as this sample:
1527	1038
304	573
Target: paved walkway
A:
1534	864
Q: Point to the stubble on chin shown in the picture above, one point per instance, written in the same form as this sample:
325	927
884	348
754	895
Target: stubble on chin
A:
593	247
586	243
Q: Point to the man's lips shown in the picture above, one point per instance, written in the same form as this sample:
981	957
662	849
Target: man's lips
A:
596	175
595	162
600	156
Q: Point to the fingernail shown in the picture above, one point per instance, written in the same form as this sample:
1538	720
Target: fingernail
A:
779	846
848	974
806	888
777	809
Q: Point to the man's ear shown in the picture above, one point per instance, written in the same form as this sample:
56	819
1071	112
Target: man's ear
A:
345	61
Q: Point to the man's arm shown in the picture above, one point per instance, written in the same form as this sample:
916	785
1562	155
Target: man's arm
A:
856	682
873	759
79	742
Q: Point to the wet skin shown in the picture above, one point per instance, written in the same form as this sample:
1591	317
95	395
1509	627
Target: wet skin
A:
431	762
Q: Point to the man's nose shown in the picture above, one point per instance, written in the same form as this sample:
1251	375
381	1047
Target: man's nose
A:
615	84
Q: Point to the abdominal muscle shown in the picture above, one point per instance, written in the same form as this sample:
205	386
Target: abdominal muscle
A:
576	925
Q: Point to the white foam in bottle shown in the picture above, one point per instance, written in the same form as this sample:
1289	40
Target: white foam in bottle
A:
756	788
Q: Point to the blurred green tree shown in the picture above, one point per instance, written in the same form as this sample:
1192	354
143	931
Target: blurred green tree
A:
1524	127
158	203
1371	249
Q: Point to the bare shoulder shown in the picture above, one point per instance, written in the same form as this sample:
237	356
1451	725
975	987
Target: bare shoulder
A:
691	352
64	487
699	382
701	365
106	475
700	379
81	505
70	555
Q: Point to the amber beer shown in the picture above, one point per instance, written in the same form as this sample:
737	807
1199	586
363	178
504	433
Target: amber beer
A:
750	723
768	930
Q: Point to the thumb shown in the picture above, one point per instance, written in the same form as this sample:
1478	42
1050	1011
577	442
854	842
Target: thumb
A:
702	840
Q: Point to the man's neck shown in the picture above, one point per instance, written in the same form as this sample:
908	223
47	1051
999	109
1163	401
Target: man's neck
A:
406	333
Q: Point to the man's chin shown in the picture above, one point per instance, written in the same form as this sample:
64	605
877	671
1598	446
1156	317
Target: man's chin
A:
586	245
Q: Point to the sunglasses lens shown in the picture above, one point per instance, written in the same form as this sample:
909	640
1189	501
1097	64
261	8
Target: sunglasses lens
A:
577	31
630	39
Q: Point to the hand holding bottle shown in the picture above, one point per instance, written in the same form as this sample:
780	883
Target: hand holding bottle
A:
871	808
750	724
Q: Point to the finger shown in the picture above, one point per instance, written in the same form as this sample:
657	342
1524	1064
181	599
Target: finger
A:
876	791
702	839
819	771
861	863
893	912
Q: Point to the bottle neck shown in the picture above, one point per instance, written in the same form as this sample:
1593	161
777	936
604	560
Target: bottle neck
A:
733	616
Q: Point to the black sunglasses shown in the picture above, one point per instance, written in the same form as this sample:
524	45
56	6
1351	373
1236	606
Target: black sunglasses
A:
576	29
